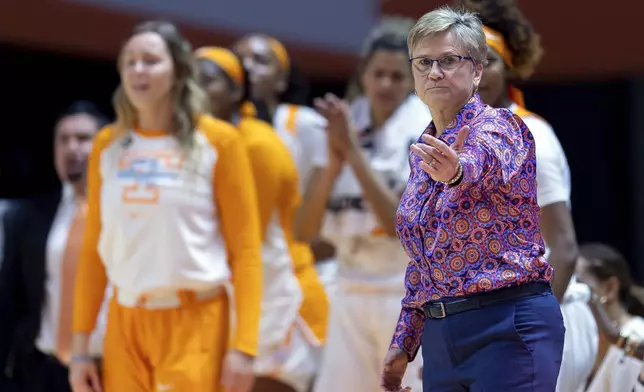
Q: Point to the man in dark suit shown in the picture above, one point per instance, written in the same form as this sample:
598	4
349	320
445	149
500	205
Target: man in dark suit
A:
42	242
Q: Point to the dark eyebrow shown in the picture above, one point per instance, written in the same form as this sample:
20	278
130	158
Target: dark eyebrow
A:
447	53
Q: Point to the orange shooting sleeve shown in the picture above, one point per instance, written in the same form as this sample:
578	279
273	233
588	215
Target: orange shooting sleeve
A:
236	200
277	186
266	166
314	309
315	303
91	278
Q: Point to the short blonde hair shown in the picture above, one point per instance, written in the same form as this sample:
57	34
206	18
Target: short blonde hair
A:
466	26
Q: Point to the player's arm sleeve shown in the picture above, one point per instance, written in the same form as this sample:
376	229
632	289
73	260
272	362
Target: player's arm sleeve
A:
236	199
91	278
266	177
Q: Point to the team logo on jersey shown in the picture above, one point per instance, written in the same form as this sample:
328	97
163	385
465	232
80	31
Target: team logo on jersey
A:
144	172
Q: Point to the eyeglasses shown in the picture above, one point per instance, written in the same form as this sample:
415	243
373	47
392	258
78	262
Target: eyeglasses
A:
446	63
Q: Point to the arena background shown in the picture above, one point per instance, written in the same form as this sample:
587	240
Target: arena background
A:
590	85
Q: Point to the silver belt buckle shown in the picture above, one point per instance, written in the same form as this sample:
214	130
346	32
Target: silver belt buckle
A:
431	311
442	309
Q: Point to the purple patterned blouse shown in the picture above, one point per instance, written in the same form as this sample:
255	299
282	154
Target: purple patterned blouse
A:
480	235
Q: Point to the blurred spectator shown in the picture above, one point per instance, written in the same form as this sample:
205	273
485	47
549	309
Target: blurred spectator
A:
42	243
4	206
616	305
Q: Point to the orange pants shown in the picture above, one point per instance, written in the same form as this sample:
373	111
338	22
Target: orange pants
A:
175	350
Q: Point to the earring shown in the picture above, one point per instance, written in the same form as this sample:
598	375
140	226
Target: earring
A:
603	299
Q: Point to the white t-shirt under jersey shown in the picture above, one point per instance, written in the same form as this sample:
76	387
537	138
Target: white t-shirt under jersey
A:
364	252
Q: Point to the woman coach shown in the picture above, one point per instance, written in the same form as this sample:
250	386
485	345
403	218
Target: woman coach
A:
477	283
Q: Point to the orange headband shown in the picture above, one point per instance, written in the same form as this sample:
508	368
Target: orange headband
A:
231	65
225	59
280	52
496	41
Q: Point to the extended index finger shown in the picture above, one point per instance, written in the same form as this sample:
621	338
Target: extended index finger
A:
439	145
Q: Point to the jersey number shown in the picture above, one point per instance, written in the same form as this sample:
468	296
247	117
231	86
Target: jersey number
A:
140	194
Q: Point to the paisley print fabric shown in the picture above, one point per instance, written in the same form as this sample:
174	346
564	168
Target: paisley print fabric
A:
480	235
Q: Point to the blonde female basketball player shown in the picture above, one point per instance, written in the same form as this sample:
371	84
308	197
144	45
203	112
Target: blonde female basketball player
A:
172	220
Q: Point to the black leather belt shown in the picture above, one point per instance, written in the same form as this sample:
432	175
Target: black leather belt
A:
442	309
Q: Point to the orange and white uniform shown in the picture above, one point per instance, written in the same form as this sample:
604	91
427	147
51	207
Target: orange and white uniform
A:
170	228
303	131
277	186
278	196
